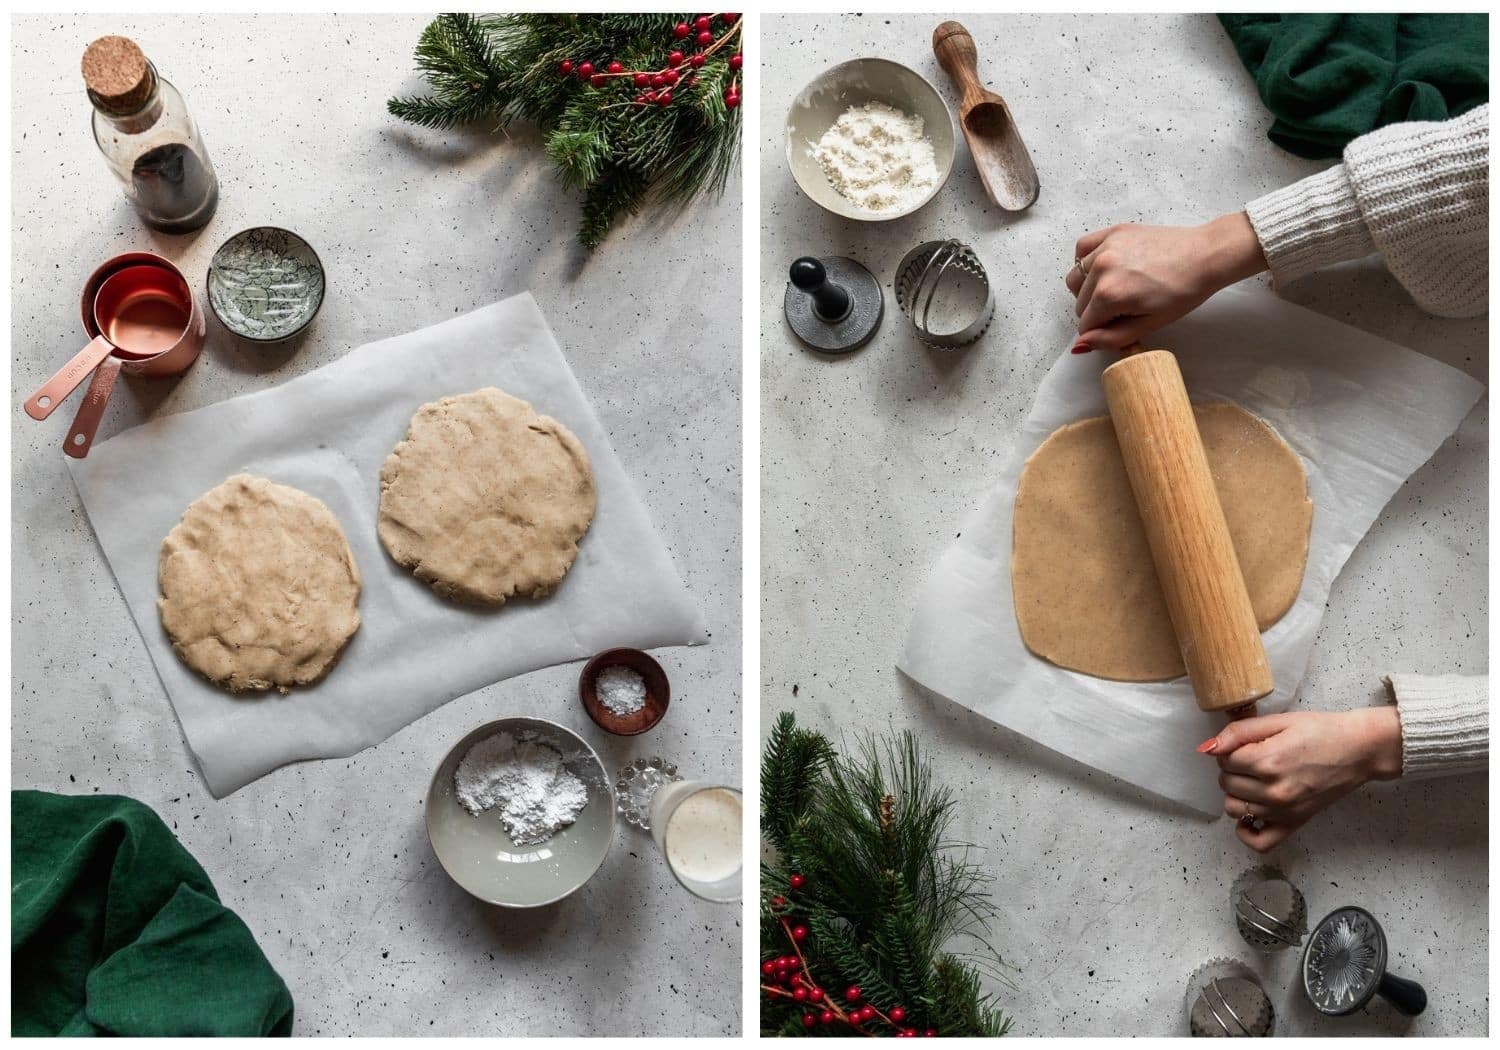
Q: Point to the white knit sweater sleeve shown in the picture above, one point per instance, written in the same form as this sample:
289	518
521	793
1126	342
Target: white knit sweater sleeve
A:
1445	722
1417	193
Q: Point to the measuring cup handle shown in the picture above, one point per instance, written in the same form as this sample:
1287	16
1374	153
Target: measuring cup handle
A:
95	400
1409	997
55	390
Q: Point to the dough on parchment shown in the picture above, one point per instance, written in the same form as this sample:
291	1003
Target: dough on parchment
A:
1085	589
485	499
259	589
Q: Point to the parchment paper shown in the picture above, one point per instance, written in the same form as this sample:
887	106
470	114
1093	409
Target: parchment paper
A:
1363	413
328	432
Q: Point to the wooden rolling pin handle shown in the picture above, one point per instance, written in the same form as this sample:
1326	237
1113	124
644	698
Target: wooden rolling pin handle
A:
959	58
1190	544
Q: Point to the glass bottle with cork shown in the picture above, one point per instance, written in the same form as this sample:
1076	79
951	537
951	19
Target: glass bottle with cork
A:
144	129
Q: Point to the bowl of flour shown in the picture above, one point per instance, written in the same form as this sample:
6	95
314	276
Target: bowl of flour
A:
870	139
520	812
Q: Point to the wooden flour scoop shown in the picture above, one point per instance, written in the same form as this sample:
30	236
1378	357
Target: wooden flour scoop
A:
1004	166
1190	544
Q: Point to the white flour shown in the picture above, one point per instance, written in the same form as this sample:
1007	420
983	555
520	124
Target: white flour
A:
878	157
621	689
526	780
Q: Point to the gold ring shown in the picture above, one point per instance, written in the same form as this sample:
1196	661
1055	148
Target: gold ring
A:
1079	263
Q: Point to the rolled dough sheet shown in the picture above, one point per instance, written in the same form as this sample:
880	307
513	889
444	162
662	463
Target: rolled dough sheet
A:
485	499
1362	414
1086	593
259	589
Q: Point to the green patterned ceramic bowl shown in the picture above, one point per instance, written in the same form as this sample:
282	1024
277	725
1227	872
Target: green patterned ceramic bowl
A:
265	284
478	853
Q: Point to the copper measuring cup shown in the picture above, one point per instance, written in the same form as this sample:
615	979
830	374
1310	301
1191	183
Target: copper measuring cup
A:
142	317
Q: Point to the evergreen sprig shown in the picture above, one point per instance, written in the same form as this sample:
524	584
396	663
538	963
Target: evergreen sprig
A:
621	155
883	891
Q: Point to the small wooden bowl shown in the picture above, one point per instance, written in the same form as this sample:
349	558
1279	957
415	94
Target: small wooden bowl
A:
658	692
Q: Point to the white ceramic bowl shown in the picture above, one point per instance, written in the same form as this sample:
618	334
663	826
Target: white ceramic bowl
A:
478	854
863	80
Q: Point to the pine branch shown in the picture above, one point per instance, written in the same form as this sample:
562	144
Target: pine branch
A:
617	192
883	889
794	759
620	151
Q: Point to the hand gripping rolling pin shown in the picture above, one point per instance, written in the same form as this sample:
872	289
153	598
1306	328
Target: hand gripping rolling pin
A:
1190	545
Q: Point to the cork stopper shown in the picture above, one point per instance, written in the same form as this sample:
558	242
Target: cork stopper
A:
117	75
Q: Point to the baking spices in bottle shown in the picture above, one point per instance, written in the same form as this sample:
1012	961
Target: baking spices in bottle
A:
144	129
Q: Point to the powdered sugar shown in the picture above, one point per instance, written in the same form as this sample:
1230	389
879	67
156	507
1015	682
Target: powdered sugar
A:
621	689
879	158
526	780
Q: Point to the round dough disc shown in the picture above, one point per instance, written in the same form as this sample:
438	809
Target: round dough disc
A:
1085	589
259	589
485	499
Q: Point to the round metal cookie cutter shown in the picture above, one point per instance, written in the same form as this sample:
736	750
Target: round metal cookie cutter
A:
922	274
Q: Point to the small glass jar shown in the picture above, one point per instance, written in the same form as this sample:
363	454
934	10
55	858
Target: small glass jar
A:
154	149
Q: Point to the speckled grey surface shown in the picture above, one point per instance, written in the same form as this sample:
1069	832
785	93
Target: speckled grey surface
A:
1108	901
327	861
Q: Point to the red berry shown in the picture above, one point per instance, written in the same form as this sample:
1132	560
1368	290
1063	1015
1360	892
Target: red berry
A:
736	60
566	68
649	96
598	80
585	71
808	1020
869	1013
930	1033
671	76
730	20
797	881
640	100
674	59
732	99
852	994
769	966
697	61
776	902
658	79
799	933
680	30
799	994
702	22
826	1017
897	1014
909	1032
704	38
815	994
615	67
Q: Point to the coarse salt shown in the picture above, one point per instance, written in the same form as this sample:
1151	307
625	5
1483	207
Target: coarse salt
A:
621	689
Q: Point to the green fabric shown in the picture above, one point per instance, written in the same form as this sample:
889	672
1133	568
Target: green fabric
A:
116	930
1329	79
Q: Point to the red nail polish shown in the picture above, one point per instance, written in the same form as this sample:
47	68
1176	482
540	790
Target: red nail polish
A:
1208	746
1080	348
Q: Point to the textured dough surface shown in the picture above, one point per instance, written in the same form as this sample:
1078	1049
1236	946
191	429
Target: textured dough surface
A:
259	589
485	499
1086	592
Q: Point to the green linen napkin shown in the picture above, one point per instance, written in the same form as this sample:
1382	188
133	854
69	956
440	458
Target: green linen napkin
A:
1330	78
116	930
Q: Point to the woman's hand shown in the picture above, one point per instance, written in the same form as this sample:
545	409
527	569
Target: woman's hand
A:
1278	771
1131	280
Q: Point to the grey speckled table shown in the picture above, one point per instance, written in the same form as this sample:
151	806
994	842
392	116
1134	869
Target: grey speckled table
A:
327	861
1107	898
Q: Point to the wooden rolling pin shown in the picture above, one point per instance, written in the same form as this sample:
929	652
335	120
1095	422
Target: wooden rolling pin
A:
1195	560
